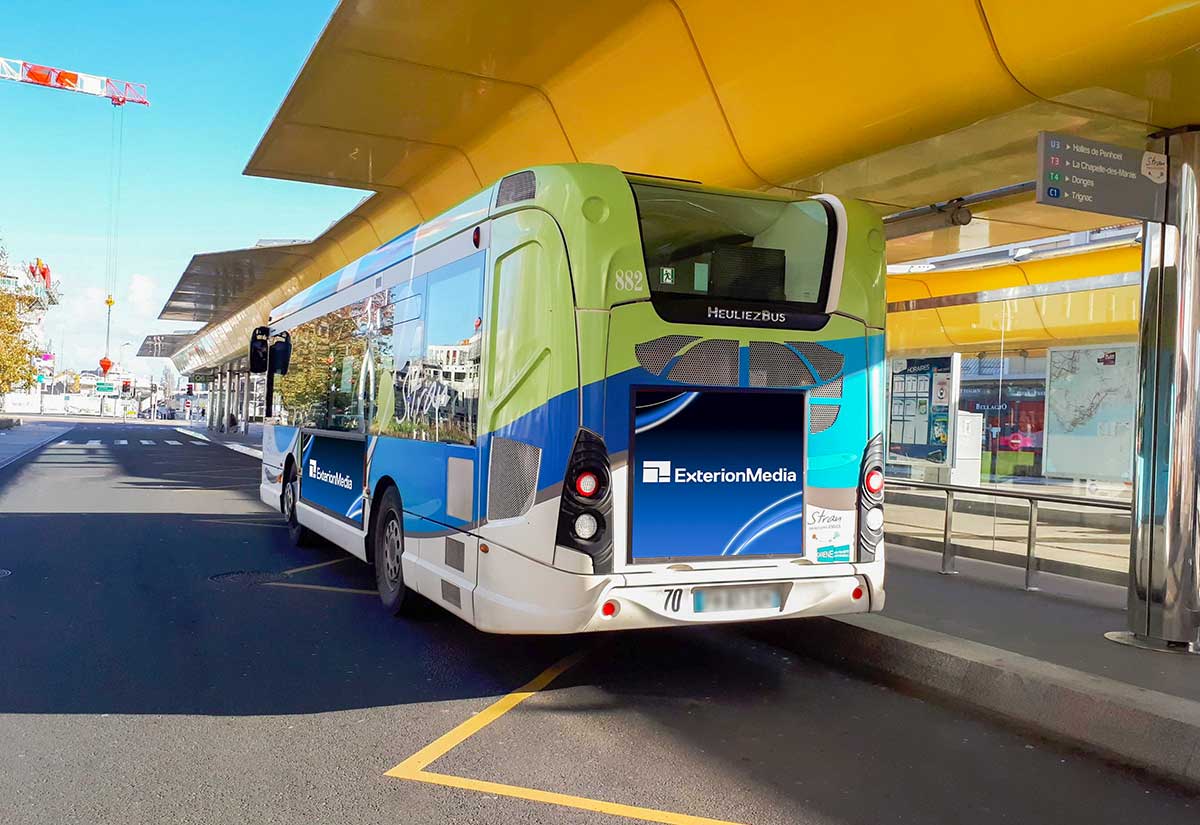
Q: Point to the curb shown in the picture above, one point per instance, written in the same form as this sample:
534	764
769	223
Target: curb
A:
1151	730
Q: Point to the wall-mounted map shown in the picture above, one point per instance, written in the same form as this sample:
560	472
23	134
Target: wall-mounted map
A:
1091	401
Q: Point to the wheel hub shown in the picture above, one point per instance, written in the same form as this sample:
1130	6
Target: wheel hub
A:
392	544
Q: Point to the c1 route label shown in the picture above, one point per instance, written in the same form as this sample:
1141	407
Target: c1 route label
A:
1101	177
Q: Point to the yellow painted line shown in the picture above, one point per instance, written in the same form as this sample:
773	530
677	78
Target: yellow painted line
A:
565	800
442	745
296	570
413	768
299	586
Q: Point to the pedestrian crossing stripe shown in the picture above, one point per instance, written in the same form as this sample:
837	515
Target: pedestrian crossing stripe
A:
122	442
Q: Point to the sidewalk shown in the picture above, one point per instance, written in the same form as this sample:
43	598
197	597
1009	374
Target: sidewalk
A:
18	441
1037	658
246	443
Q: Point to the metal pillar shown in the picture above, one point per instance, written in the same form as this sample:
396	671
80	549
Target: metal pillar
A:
1164	586
209	412
223	405
246	378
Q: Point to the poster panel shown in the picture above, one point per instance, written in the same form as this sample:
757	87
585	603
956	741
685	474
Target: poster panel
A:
1091	401
923	396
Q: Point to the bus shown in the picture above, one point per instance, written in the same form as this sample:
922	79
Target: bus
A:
586	400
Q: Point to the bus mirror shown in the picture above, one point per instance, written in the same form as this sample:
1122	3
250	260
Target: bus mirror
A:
258	349
281	354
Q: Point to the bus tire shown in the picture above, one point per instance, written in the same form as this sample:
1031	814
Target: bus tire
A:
300	535
387	545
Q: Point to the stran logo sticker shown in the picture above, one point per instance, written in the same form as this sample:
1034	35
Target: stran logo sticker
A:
336	479
656	472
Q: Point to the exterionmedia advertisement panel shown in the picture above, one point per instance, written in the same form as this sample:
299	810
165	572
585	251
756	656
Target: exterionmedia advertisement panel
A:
716	473
332	475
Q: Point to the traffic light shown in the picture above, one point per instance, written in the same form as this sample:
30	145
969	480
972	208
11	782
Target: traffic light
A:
190	391
125	387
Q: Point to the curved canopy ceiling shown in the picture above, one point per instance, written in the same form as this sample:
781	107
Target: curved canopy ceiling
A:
902	104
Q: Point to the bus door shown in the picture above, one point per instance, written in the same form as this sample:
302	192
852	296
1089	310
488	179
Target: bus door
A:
332	449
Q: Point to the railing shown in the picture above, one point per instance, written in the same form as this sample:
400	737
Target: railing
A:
1034	498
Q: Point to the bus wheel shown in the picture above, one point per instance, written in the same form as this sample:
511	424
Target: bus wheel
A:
388	538
297	532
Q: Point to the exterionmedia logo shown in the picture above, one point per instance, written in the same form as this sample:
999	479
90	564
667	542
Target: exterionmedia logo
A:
661	472
337	479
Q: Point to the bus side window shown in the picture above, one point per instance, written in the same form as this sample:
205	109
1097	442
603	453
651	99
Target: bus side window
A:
442	387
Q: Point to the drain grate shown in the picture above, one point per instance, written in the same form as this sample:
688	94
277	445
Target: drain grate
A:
245	578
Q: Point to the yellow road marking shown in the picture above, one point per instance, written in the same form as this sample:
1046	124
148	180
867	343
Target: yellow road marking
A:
442	745
566	800
296	570
413	768
299	586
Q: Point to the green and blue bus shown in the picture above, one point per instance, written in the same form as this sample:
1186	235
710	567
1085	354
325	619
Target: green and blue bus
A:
587	400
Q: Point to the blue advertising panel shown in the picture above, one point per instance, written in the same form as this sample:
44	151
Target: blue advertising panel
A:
716	473
332	475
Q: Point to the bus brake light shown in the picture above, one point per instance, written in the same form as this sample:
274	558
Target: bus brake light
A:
874	482
586	484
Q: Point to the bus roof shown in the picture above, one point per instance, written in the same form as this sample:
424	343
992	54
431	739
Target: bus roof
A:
396	251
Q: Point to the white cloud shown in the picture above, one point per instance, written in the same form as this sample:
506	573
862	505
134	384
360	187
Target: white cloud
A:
141	296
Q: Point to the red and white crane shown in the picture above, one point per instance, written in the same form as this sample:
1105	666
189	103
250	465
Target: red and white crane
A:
119	92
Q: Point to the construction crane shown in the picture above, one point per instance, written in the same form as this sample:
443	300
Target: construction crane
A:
119	92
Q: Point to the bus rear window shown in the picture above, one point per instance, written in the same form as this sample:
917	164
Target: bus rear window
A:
722	258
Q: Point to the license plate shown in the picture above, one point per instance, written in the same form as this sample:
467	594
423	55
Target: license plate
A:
716	599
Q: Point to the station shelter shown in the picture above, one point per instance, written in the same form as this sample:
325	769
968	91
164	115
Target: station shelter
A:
928	110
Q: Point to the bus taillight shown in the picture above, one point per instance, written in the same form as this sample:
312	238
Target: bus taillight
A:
587	484
874	481
585	511
870	500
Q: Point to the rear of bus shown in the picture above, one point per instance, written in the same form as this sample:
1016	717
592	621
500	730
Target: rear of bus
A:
728	465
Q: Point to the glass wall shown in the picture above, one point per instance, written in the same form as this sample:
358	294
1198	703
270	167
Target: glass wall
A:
1028	386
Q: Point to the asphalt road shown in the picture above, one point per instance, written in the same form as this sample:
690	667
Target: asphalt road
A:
155	670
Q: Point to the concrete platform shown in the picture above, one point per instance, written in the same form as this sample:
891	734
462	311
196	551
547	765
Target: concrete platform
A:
1037	658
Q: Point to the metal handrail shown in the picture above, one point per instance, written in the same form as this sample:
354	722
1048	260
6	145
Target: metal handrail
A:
1034	498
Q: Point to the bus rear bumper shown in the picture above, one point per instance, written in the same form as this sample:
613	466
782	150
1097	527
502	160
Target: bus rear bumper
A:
522	596
673	606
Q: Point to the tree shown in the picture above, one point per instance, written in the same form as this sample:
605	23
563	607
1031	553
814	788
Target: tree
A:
17	347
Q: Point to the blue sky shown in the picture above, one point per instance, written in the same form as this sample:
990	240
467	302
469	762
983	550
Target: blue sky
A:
216	73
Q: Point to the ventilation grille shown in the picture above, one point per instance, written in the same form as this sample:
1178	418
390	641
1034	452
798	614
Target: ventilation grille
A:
774	365
512	478
831	390
451	594
455	554
519	187
709	362
826	362
822	416
654	355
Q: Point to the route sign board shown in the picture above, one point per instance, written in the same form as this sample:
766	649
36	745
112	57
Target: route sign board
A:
106	388
1101	177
